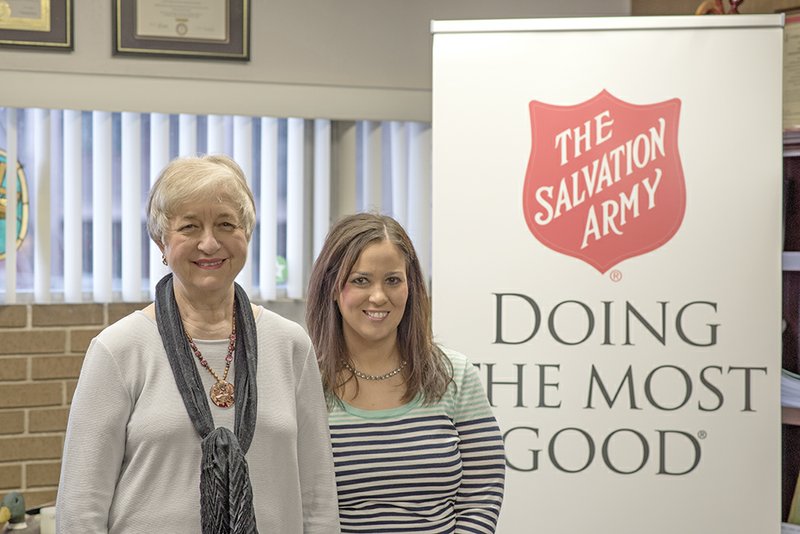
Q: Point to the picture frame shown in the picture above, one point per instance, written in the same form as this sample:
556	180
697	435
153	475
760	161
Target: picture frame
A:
37	24
198	29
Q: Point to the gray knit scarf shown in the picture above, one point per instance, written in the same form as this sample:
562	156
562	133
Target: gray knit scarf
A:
226	496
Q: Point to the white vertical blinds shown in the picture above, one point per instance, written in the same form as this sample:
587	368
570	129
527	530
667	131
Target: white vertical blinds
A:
419	192
131	206
93	246
159	157
372	175
322	183
215	135
42	208
243	155
101	206
344	180
187	135
11	202
73	205
268	212
295	213
399	171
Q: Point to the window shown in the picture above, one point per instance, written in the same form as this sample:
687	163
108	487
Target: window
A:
84	178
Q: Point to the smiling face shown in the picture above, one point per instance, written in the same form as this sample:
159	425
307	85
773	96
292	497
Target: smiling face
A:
373	299
205	247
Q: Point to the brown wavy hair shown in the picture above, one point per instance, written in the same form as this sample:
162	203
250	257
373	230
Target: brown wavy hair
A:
429	371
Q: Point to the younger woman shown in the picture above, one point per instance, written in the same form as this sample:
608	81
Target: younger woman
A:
416	447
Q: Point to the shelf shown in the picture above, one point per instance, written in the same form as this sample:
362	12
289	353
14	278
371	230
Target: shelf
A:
791	261
790	416
791	143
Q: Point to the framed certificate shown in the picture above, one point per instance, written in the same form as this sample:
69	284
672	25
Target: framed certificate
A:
44	24
207	29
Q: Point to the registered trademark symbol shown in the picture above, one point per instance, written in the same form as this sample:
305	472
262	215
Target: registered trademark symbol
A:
615	275
702	434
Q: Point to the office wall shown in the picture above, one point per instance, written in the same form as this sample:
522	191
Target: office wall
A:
349	59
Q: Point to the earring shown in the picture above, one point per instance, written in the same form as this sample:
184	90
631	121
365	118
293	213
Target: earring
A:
163	259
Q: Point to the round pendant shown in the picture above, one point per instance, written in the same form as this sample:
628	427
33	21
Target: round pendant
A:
222	394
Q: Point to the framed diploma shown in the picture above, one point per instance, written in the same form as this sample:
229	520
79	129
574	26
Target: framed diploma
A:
206	29
43	24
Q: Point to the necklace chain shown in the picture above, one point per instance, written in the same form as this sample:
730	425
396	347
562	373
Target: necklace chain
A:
221	392
365	376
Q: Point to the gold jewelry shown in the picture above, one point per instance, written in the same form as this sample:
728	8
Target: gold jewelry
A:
365	376
221	392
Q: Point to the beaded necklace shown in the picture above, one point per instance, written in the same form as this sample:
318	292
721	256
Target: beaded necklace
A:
365	376
221	391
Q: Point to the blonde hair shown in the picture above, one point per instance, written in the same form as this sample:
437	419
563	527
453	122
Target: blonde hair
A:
194	178
428	371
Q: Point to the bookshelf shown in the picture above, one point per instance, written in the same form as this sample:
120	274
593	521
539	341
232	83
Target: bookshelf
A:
790	417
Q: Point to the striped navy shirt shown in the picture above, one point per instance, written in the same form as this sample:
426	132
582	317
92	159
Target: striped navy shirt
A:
417	468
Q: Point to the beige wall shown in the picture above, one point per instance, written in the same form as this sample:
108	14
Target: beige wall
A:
345	59
349	59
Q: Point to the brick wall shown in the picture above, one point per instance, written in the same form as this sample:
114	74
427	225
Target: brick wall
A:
41	351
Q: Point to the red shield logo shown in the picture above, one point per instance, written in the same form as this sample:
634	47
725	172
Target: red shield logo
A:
604	180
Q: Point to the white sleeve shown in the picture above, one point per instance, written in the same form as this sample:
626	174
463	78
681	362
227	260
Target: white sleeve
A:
317	481
94	445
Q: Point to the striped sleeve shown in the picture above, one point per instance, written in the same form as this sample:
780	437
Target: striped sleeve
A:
482	453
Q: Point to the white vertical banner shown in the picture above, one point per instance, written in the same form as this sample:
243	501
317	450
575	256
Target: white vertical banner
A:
606	248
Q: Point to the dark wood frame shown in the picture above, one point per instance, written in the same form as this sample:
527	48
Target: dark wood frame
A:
60	36
126	42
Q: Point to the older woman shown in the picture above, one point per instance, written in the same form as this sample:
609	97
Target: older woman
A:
416	447
202	412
